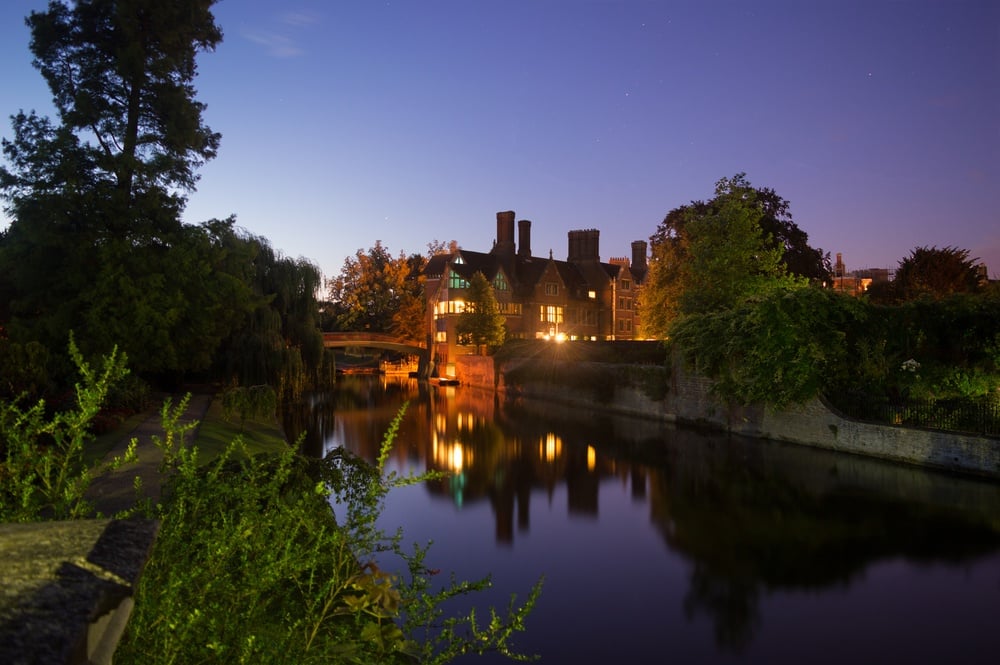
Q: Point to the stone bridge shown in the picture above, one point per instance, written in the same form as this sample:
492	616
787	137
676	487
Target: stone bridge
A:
379	341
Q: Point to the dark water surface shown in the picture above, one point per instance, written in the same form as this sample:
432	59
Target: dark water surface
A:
668	545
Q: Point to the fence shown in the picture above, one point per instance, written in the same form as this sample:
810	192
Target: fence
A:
975	415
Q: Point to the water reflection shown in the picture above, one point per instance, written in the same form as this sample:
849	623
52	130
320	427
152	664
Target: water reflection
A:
750	518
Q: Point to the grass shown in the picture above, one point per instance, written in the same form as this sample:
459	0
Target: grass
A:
216	432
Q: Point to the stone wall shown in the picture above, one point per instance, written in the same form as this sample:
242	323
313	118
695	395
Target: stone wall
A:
688	399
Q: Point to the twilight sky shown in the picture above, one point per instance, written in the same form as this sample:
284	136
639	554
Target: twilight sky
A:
411	121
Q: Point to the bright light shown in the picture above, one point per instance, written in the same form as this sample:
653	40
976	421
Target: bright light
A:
551	448
591	458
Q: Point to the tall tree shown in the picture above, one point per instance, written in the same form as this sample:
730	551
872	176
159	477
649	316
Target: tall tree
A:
279	342
370	291
122	71
96	243
481	323
930	272
710	254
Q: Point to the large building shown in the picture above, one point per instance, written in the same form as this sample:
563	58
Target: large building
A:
581	298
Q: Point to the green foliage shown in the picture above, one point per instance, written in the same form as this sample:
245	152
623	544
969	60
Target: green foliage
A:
707	255
930	272
791	345
784	347
23	369
251	565
481	324
250	402
42	474
728	254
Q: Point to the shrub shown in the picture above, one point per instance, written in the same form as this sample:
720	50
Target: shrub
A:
252	566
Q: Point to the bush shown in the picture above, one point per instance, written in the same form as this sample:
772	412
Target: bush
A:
252	566
42	473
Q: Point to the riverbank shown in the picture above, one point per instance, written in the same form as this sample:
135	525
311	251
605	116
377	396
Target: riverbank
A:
675	395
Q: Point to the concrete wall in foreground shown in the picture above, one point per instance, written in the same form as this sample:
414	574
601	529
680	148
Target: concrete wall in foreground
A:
688	399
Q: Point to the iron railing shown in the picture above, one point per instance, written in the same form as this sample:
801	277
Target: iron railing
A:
973	415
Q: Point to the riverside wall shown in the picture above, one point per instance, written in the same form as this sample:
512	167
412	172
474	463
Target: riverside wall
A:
650	391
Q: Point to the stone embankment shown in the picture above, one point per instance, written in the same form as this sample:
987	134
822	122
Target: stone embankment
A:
67	587
652	391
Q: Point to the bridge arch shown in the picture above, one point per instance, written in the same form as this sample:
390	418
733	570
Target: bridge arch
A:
379	341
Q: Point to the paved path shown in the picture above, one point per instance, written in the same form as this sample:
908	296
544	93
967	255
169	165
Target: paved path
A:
115	491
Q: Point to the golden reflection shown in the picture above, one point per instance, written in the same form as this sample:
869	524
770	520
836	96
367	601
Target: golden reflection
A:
453	457
550	449
591	458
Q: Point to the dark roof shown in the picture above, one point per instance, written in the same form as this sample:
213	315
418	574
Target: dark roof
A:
524	273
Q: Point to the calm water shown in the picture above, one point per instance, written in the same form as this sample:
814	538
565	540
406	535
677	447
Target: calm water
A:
662	544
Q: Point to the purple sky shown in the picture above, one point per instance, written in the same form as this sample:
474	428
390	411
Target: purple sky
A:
408	122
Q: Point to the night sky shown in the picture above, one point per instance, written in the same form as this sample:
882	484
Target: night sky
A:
348	122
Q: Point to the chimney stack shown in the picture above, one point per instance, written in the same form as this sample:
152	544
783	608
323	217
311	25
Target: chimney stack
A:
524	238
584	245
639	255
505	234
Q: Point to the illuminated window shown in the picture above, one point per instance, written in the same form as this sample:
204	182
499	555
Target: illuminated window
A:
456	281
500	282
510	308
441	336
592	295
550	314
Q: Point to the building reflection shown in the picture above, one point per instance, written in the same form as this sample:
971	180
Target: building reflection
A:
751	517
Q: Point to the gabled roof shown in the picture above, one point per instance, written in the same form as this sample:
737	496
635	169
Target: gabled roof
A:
436	265
525	273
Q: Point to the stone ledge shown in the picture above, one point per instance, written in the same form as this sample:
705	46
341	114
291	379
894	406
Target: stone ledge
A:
67	588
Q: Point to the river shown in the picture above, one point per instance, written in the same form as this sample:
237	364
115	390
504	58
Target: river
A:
666	544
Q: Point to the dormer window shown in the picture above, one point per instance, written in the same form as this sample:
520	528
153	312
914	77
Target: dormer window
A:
500	282
551	289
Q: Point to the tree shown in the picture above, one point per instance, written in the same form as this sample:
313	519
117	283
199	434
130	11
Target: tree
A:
279	341
930	272
371	291
481	322
96	243
122	71
711	255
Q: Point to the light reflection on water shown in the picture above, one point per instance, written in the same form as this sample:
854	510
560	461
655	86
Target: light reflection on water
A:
666	544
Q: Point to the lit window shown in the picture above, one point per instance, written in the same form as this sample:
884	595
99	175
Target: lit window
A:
500	282
592	295
456	281
550	314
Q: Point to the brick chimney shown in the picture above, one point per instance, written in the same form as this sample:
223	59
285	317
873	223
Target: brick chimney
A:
584	245
524	238
639	254
505	234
